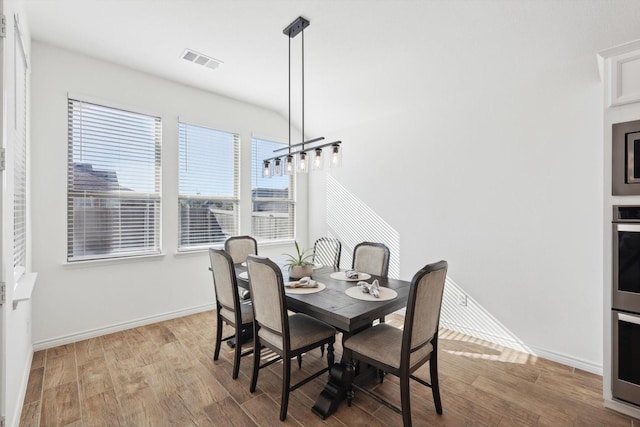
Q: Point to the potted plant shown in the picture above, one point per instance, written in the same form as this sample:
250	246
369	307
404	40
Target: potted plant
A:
300	265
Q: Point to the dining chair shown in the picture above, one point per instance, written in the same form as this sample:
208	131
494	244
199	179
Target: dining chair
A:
287	336
401	351
326	251
228	307
371	258
239	247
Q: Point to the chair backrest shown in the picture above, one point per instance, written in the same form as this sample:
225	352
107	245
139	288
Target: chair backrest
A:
224	279
422	317
371	258
239	247
267	295
327	251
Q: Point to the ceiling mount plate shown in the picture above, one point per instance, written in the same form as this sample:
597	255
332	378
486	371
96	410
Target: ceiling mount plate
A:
296	27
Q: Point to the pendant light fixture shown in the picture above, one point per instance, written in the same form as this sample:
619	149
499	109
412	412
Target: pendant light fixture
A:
307	155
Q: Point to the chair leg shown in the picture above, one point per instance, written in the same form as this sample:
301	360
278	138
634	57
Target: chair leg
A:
322	350
330	357
299	357
216	351
286	381
405	399
435	387
256	363
237	352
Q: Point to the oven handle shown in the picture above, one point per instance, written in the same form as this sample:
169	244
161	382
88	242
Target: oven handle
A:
628	318
628	227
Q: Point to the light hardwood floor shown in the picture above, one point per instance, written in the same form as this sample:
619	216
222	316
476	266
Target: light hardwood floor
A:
163	375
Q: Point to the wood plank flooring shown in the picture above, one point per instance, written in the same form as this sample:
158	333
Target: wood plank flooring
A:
163	375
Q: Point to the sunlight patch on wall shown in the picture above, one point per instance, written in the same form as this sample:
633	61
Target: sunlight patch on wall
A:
473	319
352	221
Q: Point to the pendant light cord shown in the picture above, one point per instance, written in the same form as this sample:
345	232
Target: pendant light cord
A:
289	95
303	89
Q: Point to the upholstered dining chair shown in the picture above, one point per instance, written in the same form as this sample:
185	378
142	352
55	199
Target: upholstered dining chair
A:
371	258
327	251
287	336
239	247
228	307
401	351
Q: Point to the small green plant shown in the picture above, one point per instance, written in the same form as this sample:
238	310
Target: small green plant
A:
301	258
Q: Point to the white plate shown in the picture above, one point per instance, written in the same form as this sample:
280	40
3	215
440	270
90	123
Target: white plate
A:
320	287
385	294
244	275
339	275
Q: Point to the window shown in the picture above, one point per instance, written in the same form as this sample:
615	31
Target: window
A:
113	189
208	199
20	158
273	212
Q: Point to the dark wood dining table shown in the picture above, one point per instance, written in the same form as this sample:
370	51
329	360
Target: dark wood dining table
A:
347	314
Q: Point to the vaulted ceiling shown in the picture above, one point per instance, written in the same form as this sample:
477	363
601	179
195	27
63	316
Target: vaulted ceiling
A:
363	58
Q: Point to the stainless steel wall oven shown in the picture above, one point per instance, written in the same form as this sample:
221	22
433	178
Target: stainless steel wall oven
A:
626	304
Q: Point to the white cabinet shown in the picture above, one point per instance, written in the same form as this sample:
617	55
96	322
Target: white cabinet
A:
620	73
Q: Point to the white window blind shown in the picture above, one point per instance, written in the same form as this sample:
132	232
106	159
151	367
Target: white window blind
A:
20	158
273	213
114	172
208	199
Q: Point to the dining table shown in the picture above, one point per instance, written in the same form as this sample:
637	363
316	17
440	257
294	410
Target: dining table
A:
341	307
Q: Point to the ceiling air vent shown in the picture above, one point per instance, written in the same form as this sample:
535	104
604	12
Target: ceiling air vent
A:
198	58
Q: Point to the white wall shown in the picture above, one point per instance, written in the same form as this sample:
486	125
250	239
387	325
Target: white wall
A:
75	301
493	162
16	321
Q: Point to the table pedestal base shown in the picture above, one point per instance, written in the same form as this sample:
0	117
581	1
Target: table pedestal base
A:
334	392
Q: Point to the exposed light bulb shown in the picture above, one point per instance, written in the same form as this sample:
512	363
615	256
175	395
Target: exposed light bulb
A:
336	156
266	169
277	167
303	163
290	165
317	159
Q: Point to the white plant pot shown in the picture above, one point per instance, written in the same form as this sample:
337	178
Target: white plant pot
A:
299	271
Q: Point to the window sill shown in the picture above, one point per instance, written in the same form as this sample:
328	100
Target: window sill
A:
198	251
262	243
24	288
112	261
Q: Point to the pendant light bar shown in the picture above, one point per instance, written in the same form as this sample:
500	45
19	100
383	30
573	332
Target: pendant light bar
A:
309	141
317	147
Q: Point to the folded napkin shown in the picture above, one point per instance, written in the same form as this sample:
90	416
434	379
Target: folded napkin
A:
370	288
351	274
305	282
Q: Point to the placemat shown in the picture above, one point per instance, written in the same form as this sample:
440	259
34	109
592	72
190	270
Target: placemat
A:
385	294
298	291
339	275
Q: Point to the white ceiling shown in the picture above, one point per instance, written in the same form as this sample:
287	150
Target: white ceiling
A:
363	58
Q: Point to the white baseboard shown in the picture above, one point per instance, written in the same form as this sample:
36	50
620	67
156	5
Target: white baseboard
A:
510	342
17	412
564	359
624	408
80	336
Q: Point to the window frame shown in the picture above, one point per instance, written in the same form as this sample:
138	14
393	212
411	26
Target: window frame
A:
20	160
291	200
234	199
110	198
